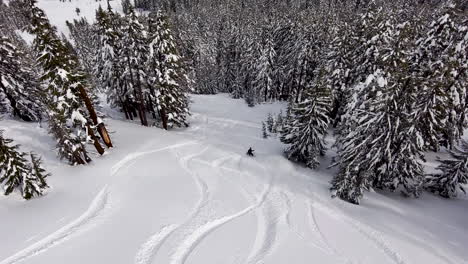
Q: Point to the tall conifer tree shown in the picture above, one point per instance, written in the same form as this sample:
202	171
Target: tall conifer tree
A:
168	76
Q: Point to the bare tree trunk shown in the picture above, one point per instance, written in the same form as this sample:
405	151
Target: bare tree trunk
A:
164	117
141	98
124	108
140	106
96	143
92	113
151	106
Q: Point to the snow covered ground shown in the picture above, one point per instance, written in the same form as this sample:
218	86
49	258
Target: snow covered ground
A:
193	196
59	11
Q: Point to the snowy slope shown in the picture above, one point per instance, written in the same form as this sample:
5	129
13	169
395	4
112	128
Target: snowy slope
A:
193	196
59	12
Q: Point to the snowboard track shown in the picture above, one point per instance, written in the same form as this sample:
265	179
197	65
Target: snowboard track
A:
150	248
371	234
375	237
136	155
190	242
96	209
314	226
267	228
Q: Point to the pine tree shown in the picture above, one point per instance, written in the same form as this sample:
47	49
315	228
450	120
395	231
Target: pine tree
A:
248	69
34	184
108	63
19	90
250	97
442	72
270	123
279	122
382	145
264	130
85	42
126	7
352	58
263	82
453	174
307	62
67	98
66	121
274	129
168	77
305	129
17	173
340	69
134	51
14	168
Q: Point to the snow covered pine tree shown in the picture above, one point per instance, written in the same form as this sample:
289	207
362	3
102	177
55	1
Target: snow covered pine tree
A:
305	129
67	99
263	82
108	63
441	59
270	122
264	130
379	143
134	51
453	174
19	90
168	77
17	173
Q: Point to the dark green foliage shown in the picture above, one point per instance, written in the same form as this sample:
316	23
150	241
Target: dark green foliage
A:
168	77
65	107
453	175
270	122
264	130
305	129
16	172
34	184
379	144
20	93
441	71
126	7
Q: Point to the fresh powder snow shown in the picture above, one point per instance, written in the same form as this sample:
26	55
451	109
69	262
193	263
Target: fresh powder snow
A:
193	196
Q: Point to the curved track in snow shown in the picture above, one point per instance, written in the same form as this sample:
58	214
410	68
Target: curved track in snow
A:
372	235
198	232
150	248
137	155
94	211
221	194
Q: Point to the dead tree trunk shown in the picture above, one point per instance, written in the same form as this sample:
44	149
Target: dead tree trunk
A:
92	113
141	110
164	117
141	100
96	143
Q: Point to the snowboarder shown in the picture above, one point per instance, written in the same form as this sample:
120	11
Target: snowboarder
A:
250	152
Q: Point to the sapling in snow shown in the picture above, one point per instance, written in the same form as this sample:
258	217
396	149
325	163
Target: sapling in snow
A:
16	172
453	175
264	130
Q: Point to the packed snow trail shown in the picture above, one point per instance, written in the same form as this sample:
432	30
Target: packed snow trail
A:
192	196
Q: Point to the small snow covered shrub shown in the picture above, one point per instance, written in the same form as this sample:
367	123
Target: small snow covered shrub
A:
17	172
